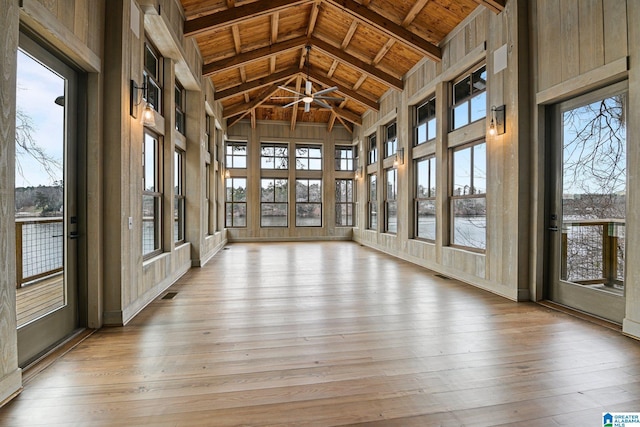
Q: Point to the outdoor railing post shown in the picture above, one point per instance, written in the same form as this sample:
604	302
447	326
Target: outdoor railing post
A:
18	255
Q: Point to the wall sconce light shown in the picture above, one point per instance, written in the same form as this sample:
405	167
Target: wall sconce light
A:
359	172
399	160
227	174
148	115
497	125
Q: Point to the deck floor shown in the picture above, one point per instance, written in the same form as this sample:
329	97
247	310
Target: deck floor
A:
38	299
327	334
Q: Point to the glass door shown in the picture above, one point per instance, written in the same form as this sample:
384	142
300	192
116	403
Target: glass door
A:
588	210
46	222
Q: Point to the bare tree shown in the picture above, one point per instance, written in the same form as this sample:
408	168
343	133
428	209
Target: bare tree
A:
27	146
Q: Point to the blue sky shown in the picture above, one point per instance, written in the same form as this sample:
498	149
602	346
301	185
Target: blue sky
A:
37	89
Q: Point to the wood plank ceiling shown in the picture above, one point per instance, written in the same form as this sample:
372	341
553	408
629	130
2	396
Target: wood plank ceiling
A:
252	48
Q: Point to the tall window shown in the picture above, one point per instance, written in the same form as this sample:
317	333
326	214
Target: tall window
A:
236	155
468	196
425	202
274	202
391	140
209	212
391	201
344	203
180	101
274	156
373	149
425	129
372	204
151	196
178	196
308	203
308	157
344	157
152	76
469	98
236	202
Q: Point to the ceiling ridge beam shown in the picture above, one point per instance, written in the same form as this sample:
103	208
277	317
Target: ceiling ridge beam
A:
336	53
255	84
253	55
390	28
319	77
228	17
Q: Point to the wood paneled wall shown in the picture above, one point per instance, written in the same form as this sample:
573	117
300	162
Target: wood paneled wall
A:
10	376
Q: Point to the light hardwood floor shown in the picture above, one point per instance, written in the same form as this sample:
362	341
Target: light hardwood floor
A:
324	334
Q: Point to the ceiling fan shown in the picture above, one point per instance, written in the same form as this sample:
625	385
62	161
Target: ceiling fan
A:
308	97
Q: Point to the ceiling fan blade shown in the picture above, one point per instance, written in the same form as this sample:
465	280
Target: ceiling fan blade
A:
329	98
285	97
307	107
322	104
327	90
292	103
290	90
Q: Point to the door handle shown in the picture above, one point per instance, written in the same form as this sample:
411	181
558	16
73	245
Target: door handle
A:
74	235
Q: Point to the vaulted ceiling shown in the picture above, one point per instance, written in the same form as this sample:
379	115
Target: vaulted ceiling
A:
253	48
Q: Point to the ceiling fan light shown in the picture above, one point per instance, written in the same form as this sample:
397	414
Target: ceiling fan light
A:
307	99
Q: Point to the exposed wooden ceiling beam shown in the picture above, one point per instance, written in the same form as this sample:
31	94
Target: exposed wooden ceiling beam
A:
231	3
349	93
333	67
241	110
237	43
383	51
294	113
313	17
332	121
390	28
349	35
415	10
253	55
347	115
235	15
255	84
361	80
496	6
370	70
275	19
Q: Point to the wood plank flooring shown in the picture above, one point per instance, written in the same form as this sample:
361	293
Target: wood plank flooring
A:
327	334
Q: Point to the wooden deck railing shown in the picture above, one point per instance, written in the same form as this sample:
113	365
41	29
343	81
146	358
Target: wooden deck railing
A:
39	248
593	251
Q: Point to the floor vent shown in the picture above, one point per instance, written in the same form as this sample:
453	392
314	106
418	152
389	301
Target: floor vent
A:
170	295
442	276
226	249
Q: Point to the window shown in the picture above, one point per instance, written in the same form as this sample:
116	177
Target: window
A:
152	76
468	198
208	211
308	203
344	203
274	156
469	98
151	196
178	196
236	202
391	140
274	202
236	155
308	157
345	158
180	108
425	129
372	204
425	201
391	201
373	149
